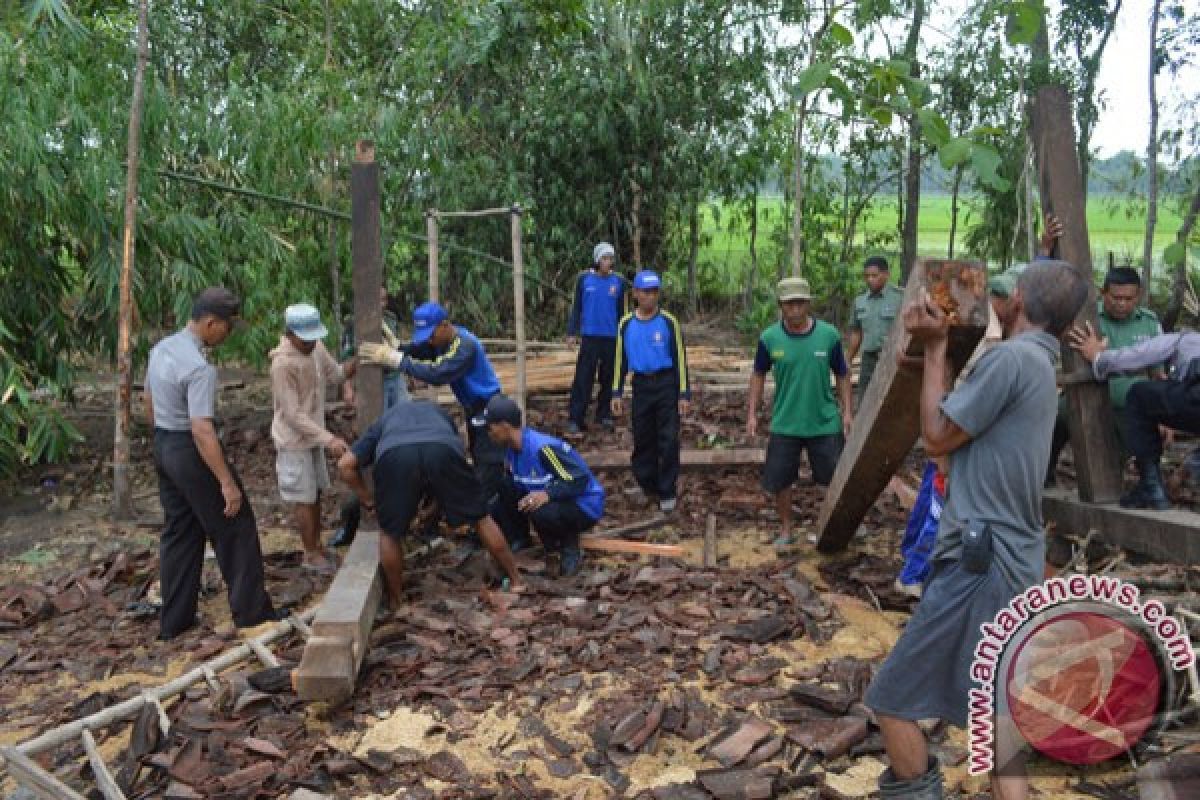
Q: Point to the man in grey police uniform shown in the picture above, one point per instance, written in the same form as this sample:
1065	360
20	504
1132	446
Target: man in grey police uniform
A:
875	311
202	497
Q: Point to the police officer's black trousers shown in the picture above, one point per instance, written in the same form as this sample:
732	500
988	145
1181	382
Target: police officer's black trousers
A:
655	414
194	511
596	354
559	523
1175	404
487	457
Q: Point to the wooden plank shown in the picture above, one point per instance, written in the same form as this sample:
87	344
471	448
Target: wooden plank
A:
431	233
519	304
624	546
1089	412
341	630
367	279
888	422
1172	536
733	457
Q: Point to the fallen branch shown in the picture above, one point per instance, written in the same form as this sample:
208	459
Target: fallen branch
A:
624	546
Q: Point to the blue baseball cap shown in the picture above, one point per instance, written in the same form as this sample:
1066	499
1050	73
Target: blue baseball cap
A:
305	321
646	279
426	317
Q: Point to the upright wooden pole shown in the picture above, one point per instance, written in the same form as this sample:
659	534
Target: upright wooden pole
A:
889	420
123	395
1089	411
431	232
519	303
367	263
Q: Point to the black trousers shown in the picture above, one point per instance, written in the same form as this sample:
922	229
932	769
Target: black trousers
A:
1149	404
655	415
559	523
596	354
486	456
194	511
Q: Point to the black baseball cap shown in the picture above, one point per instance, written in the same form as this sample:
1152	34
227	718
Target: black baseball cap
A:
217	301
502	409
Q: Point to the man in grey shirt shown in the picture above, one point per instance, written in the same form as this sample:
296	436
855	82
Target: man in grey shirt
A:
996	429
202	497
1174	403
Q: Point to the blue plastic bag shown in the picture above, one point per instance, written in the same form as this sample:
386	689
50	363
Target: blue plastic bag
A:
920	535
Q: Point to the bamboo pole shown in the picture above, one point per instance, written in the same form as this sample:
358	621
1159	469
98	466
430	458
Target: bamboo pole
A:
104	779
482	212
123	396
65	733
27	773
431	235
519	302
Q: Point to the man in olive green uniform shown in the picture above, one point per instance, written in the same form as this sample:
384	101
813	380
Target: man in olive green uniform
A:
1123	323
874	312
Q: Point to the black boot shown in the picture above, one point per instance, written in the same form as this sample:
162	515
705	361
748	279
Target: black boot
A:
926	787
572	556
1149	492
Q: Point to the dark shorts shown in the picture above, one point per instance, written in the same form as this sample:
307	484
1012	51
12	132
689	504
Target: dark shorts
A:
783	459
406	474
928	673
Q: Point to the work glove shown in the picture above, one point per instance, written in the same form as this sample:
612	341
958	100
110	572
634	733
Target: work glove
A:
381	354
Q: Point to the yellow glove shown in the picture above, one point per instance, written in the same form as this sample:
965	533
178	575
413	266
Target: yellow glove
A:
381	354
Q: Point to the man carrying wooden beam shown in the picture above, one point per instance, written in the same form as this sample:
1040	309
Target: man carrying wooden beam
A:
416	451
996	429
1173	403
441	354
802	351
598	306
546	483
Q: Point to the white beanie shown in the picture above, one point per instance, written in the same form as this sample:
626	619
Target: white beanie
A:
601	250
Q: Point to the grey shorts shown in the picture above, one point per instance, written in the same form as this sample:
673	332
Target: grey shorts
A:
302	474
928	673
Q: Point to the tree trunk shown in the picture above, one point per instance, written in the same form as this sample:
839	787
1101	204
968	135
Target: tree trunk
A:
1151	160
637	225
800	187
1180	285
122	488
693	252
954	189
752	280
912	175
1030	240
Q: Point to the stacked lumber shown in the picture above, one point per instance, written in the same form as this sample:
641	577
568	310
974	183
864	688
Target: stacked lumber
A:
551	371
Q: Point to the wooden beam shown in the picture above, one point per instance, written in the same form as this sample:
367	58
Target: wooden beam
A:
342	627
888	421
1089	412
625	546
1172	536
28	774
367	263
519	303
657	521
734	457
431	234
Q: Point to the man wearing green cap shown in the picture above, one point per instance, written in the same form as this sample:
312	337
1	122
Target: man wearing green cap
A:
874	312
801	351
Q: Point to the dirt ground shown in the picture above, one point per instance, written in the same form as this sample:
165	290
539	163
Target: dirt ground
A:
427	721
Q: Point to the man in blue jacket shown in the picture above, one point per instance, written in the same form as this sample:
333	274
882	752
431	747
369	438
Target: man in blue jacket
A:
546	483
650	345
441	354
598	305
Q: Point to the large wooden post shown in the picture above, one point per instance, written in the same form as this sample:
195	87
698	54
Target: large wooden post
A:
431	232
889	420
367	263
1089	411
519	303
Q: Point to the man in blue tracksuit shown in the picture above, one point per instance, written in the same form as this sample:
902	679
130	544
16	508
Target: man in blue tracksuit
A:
441	354
650	345
598	306
546	483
